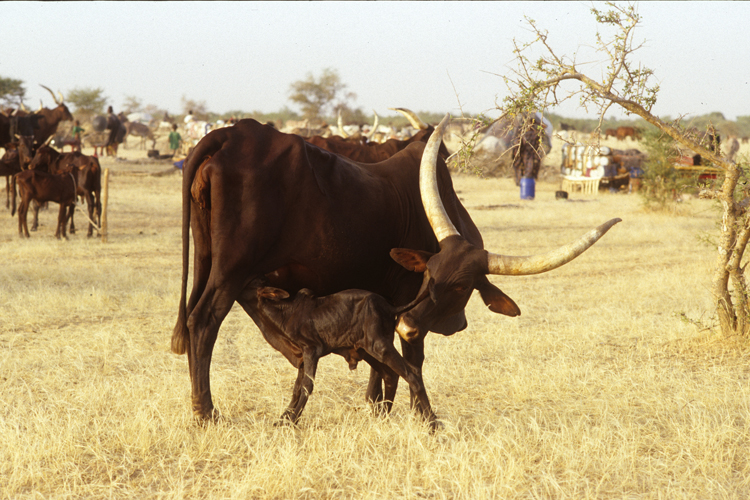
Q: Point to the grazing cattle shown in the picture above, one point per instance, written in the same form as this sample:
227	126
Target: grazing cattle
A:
263	204
623	132
355	324
87	171
42	188
610	132
375	152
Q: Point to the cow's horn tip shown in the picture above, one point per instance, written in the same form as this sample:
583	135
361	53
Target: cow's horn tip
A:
607	225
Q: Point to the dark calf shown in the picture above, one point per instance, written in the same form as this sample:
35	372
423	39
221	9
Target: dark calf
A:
355	324
88	180
9	166
43	187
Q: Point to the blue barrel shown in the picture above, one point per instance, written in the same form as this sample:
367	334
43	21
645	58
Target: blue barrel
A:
527	188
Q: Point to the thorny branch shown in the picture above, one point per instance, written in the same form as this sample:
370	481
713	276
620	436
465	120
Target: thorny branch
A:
536	86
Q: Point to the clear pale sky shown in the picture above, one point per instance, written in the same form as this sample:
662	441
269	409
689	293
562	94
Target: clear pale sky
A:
419	55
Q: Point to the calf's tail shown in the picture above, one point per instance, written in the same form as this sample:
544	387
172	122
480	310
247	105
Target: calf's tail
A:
13	188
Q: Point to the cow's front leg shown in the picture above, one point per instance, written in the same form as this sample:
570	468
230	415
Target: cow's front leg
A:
374	393
414	354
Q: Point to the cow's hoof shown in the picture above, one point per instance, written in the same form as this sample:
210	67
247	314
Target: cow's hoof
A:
435	426
204	421
284	422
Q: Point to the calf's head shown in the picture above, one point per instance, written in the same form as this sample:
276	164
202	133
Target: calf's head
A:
459	268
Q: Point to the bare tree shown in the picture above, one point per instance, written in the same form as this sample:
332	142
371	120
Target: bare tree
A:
545	81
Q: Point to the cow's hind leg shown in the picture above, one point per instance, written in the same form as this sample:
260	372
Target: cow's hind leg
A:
203	326
35	222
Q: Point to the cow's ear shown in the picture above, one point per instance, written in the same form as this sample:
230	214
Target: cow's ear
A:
413	260
272	293
496	300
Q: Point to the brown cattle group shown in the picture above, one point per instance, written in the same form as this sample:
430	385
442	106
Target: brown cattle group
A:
41	174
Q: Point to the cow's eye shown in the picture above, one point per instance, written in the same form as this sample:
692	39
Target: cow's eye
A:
459	288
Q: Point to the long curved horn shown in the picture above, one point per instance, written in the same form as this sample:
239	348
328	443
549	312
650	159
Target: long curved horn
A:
24	108
41	106
374	126
433	206
415	121
507	265
342	132
51	93
496	263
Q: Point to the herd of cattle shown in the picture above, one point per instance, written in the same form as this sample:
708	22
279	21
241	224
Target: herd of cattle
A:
40	174
330	244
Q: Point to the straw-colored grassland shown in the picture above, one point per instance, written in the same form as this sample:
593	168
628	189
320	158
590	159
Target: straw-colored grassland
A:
600	389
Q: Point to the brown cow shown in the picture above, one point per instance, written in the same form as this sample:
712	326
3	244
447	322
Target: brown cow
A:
355	324
49	119
87	171
43	187
266	204
623	132
373	152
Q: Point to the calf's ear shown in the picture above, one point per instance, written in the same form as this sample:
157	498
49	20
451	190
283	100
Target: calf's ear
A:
413	260
496	300
272	293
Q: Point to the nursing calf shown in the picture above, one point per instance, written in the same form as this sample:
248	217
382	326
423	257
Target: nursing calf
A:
355	324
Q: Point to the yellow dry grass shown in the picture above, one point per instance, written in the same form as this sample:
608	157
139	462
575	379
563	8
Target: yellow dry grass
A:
598	390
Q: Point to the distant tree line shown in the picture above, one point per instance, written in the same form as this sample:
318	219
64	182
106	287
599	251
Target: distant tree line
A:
320	99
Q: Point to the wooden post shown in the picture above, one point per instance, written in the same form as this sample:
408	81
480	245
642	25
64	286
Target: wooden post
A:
105	199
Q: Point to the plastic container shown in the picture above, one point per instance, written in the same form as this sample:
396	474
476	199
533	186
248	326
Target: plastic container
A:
528	186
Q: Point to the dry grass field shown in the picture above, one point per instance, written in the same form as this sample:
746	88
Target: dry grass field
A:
600	389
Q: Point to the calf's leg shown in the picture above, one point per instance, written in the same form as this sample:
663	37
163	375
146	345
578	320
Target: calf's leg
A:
35	222
384	351
62	218
23	208
303	388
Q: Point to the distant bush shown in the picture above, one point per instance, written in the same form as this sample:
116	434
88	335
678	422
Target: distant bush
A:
662	183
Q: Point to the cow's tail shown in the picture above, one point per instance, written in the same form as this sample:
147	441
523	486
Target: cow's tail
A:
181	335
13	188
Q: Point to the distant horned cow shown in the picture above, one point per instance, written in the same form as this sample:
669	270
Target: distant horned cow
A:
49	119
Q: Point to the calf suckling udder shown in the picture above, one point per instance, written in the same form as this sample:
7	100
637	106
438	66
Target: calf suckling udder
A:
355	324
